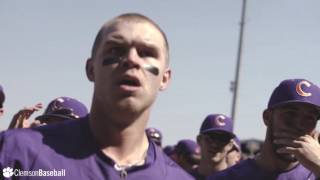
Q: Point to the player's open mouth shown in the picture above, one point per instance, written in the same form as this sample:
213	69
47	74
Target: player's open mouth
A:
129	83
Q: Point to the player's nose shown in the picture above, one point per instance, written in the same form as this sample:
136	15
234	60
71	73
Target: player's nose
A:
132	59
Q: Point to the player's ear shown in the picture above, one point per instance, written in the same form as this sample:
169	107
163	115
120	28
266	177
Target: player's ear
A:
165	79
267	115
89	69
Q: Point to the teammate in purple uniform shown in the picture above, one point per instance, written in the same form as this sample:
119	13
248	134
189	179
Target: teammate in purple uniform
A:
61	109
215	140
291	149
2	98
128	66
155	135
58	110
187	154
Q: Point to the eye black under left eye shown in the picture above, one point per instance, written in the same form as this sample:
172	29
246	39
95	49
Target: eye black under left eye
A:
147	53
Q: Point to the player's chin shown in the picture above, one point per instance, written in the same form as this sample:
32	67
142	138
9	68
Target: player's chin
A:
134	104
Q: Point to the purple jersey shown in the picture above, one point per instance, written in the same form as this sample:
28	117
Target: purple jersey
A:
69	151
195	173
248	169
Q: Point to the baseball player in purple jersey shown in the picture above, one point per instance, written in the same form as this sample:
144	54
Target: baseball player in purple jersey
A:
155	135
2	98
58	110
61	109
291	150
128	66
188	154
215	140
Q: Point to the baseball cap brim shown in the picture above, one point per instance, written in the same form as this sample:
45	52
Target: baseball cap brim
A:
317	107
295	101
213	130
48	117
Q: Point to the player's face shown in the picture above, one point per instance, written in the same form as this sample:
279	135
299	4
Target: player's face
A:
130	66
296	119
215	146
233	157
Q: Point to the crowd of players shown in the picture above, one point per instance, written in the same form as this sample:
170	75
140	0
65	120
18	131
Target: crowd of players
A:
129	64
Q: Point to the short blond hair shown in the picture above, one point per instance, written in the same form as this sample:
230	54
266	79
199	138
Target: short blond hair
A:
135	17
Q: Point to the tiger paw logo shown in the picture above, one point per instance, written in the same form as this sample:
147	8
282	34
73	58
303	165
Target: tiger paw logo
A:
7	172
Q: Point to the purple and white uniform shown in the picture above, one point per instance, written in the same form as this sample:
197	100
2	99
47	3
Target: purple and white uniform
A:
70	146
248	169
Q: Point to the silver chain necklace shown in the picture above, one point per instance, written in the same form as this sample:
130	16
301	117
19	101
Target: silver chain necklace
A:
122	169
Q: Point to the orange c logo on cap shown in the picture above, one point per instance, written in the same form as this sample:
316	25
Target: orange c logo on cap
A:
220	120
300	91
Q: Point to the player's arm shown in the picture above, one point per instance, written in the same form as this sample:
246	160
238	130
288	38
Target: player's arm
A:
21	118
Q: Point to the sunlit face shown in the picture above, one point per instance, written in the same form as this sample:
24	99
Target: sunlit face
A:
123	70
233	157
297	119
215	146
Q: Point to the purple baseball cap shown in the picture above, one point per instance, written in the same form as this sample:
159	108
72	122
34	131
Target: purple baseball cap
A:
2	96
155	135
295	90
64	107
217	122
189	148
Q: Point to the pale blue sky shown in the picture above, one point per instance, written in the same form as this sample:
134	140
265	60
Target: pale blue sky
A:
44	45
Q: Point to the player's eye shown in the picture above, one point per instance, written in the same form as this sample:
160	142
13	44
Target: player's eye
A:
147	52
117	51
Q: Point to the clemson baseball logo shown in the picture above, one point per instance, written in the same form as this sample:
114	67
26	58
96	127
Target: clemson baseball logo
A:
220	120
56	102
299	88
